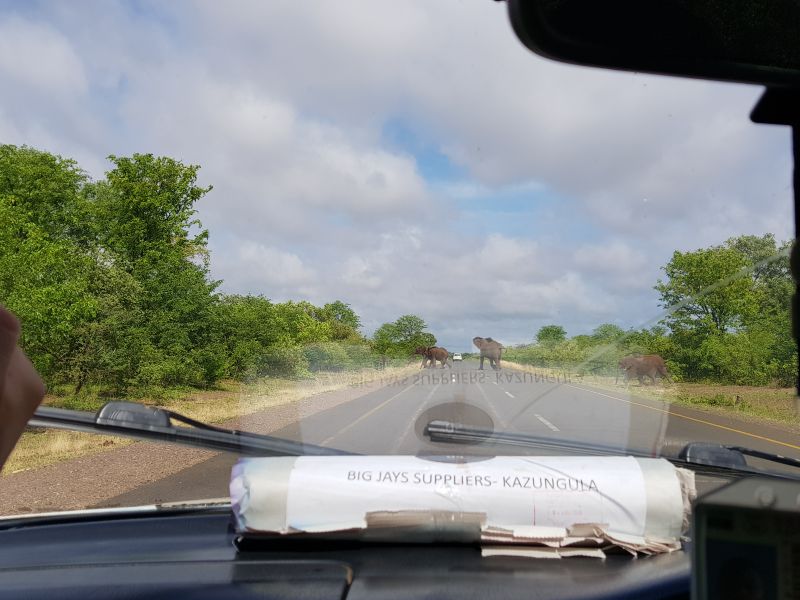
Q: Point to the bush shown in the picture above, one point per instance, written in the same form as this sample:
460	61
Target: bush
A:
361	356
244	358
283	361
326	356
210	364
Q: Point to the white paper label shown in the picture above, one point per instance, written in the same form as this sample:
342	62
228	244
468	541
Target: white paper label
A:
336	493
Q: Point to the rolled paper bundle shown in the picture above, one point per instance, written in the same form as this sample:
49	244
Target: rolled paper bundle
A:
639	504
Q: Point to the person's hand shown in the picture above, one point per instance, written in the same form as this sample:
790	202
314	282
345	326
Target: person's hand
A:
21	388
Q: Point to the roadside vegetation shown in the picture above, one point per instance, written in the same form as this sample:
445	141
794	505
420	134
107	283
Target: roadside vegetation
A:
725	335
776	404
229	401
726	321
111	281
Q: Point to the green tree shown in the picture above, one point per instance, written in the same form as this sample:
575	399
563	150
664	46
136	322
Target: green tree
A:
771	323
145	222
46	189
411	333
402	337
608	333
345	323
48	284
551	334
708	290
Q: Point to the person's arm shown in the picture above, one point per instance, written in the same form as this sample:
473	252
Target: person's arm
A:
21	388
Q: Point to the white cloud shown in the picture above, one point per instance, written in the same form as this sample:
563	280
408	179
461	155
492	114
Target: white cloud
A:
258	269
285	104
39	57
616	264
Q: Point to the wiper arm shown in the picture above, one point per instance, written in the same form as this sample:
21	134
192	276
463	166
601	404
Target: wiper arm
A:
696	454
131	419
457	433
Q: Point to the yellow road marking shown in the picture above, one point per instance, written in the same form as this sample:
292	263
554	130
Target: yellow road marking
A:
709	423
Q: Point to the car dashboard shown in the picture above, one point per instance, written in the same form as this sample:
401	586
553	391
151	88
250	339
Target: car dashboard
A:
195	553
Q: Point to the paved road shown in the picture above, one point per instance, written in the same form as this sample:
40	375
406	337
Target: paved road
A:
390	421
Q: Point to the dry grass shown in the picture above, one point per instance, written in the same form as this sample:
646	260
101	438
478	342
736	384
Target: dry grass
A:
40	448
215	407
762	403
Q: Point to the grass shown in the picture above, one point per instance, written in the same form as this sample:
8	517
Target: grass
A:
230	399
761	403
41	448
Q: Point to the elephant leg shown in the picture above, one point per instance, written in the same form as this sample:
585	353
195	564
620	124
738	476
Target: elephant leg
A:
481	367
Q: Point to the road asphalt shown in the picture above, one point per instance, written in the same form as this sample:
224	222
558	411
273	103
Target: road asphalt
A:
391	420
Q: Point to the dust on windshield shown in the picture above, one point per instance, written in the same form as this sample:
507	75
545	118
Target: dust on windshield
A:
339	225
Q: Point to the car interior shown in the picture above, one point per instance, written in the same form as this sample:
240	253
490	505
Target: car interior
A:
196	550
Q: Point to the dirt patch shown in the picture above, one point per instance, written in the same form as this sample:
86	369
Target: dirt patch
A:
89	480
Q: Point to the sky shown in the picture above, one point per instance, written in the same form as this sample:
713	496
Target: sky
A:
404	157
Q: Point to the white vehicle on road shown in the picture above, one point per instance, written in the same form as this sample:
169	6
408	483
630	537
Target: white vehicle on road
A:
457	356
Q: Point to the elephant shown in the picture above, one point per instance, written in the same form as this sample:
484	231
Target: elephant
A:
651	365
432	354
490	349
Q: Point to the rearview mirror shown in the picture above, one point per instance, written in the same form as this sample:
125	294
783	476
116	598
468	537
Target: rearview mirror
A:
750	41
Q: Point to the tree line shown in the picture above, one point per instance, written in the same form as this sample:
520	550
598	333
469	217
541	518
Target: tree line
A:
111	280
727	319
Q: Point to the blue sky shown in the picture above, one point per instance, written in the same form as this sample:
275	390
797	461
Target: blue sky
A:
421	164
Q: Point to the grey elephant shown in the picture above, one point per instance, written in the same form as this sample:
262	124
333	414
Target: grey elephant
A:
490	349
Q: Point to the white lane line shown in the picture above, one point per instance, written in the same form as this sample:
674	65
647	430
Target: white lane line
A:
364	416
494	382
509	394
413	420
490	404
546	422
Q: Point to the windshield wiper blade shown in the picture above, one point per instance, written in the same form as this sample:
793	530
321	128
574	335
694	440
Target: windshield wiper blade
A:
457	433
714	456
768	456
131	419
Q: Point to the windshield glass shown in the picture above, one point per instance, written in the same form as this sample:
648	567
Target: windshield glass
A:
338	222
